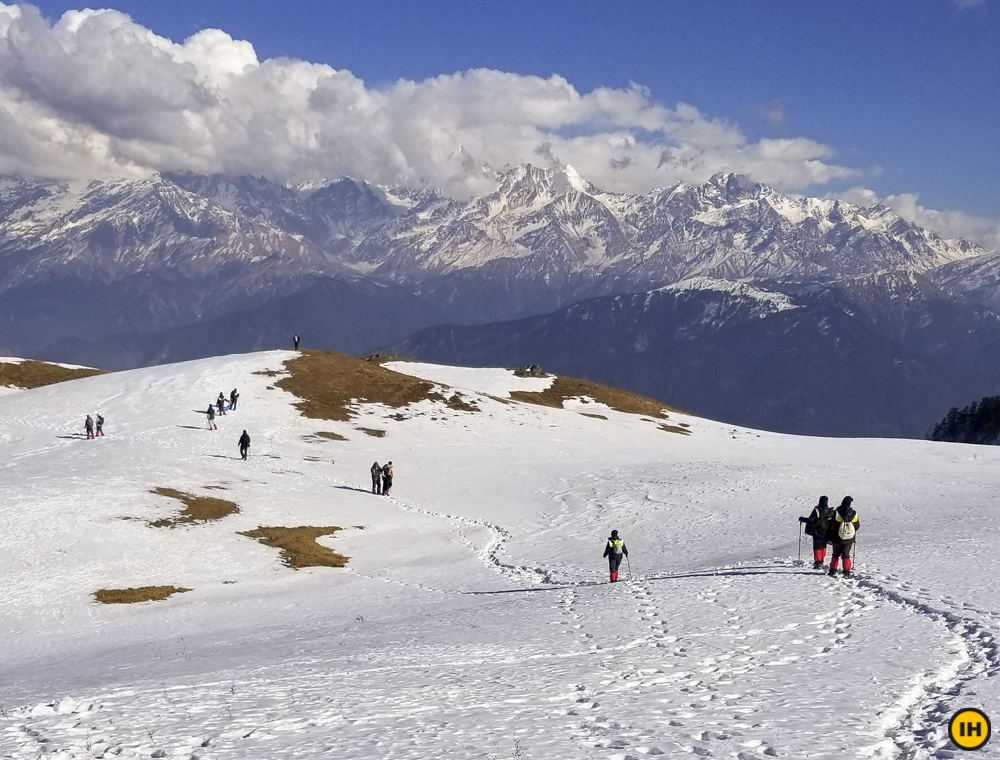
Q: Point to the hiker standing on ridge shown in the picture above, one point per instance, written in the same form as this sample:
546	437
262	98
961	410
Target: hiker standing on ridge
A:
843	528
386	478
244	444
295	341
211	417
88	425
817	525
377	478
614	551
221	403
233	398
100	426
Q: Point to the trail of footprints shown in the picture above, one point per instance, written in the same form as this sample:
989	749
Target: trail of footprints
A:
685	688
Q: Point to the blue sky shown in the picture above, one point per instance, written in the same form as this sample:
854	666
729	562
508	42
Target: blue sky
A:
905	95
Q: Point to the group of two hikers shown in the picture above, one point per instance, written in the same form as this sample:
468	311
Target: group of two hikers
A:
381	478
837	528
88	426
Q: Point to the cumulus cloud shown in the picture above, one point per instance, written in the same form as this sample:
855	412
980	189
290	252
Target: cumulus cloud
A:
947	224
94	93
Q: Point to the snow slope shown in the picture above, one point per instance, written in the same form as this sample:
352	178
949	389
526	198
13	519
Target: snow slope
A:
473	620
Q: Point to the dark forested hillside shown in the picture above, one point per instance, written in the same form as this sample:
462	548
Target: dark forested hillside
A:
977	423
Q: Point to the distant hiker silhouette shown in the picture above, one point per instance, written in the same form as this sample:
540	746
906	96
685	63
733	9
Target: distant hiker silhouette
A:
88	425
614	551
376	478
817	525
295	341
842	532
100	426
211	417
221	403
386	478
244	444
233	398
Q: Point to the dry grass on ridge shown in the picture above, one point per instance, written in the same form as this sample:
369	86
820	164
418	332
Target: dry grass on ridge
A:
564	388
330	383
35	374
298	545
133	595
196	508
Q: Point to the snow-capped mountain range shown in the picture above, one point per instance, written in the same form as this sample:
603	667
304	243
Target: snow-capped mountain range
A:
120	272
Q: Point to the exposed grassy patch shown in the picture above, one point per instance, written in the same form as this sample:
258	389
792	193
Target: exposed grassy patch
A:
298	545
133	595
595	416
330	384
196	508
373	432
458	403
674	429
564	388
35	374
331	436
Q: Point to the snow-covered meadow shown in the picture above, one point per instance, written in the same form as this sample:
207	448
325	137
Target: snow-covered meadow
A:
473	619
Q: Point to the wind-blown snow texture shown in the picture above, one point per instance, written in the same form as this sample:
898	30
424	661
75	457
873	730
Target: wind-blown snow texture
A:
473	620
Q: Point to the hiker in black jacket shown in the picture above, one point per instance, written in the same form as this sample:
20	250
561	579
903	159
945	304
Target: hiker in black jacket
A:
377	478
843	528
233	398
244	444
817	525
386	478
614	551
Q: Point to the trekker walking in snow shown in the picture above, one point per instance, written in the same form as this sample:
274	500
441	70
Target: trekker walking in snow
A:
244	444
377	478
233	398
386	478
211	417
221	403
843	528
614	551
295	341
817	525
100	426
88	425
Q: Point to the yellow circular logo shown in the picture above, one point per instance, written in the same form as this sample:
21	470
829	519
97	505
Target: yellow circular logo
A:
969	728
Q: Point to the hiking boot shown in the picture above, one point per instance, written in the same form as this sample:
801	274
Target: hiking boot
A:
848	574
818	565
833	572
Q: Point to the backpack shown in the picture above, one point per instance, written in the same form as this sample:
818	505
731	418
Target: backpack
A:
845	531
616	545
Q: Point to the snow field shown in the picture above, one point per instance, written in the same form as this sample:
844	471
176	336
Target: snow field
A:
473	619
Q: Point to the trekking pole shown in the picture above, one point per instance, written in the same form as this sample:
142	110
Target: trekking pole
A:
799	560
629	564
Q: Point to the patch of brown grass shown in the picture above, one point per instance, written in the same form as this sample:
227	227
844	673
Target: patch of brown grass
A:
595	416
329	384
196	508
298	545
458	403
331	436
674	429
564	388
373	432
35	374
133	595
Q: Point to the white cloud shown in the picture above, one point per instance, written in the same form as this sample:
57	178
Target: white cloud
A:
95	93
947	224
